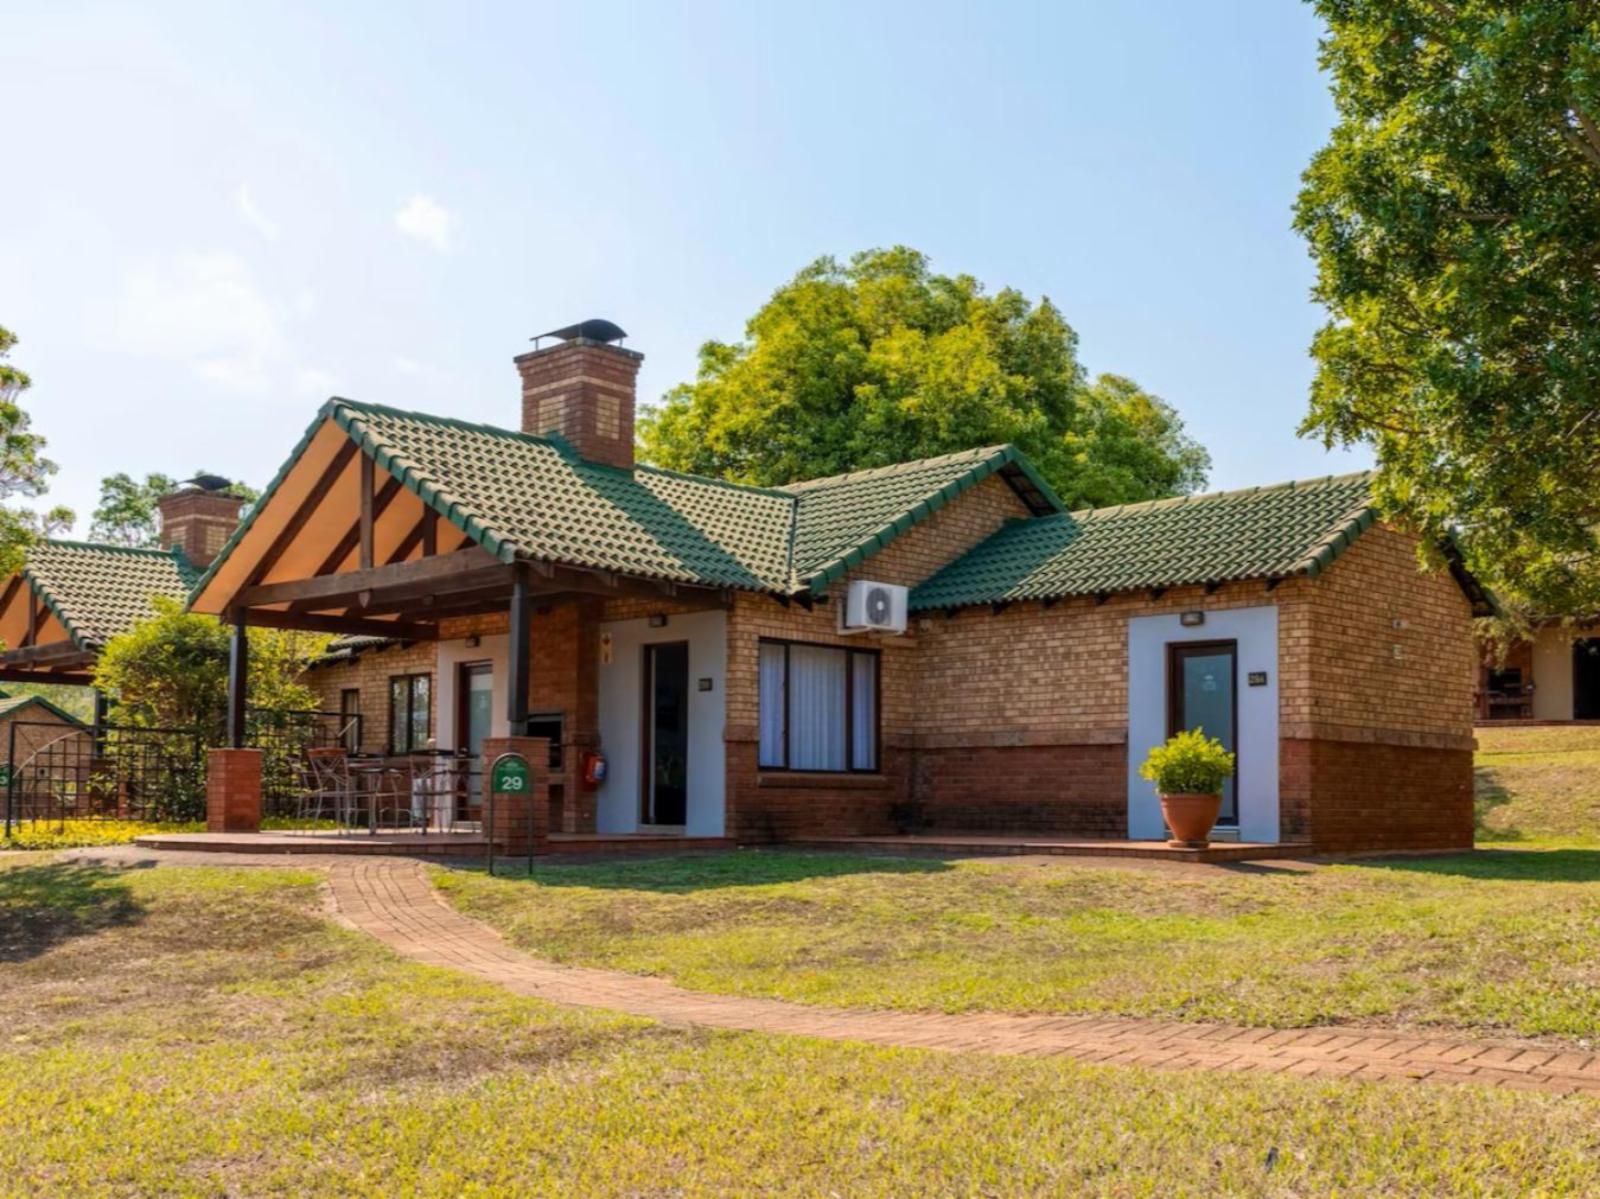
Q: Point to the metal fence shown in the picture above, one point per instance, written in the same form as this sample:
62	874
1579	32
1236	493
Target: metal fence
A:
284	738
56	772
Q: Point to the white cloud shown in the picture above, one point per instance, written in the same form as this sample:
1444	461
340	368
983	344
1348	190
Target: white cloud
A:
206	311
424	218
253	216
407	366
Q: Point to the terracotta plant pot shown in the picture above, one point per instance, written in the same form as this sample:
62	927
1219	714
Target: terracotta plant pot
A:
1190	818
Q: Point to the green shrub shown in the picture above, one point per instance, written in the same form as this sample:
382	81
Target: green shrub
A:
1188	764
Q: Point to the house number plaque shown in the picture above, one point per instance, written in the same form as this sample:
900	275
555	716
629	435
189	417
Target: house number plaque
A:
1258	678
510	775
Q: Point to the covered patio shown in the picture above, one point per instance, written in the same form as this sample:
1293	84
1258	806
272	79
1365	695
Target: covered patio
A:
360	537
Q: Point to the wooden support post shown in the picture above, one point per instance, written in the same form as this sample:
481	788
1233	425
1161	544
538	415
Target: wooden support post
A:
100	714
518	667
238	679
366	512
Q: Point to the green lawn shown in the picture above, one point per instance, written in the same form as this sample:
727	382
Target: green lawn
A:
201	1031
1500	942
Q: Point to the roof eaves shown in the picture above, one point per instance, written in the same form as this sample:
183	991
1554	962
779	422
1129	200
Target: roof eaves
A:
1340	538
324	413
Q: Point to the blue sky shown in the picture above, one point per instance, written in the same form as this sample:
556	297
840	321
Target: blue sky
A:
216	216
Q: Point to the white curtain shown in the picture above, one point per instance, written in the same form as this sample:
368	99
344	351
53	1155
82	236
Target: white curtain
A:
816	708
864	712
771	704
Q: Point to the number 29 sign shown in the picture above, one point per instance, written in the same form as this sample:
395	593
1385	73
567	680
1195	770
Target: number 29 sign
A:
510	775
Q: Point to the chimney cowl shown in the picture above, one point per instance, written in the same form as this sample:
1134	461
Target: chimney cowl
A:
596	329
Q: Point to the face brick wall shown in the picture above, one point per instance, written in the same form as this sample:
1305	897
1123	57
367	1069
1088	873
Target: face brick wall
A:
370	674
768	805
1387	748
1023	715
1017	721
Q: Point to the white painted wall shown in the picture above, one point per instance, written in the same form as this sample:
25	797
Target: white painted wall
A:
1256	631
621	718
1552	674
452	654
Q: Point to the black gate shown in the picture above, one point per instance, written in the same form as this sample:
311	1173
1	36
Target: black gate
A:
59	772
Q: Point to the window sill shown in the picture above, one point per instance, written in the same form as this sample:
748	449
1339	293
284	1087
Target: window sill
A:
821	780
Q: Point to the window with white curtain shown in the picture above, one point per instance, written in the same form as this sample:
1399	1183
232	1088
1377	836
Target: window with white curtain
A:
818	707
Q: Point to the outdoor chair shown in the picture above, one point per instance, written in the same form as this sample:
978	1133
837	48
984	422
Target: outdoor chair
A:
331	794
391	796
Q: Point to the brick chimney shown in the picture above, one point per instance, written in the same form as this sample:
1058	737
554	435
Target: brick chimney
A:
584	389
199	518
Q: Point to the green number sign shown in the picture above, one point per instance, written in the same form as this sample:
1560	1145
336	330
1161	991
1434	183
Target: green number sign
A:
510	775
5	774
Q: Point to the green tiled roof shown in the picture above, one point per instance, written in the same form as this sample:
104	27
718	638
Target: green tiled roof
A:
840	520
15	705
1263	532
98	591
521	496
348	649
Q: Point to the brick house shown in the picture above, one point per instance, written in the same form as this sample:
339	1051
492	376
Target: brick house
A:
71	597
703	636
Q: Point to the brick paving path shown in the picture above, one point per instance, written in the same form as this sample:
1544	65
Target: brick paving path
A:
393	901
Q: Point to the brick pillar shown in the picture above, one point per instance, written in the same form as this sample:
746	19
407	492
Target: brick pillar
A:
233	791
520	825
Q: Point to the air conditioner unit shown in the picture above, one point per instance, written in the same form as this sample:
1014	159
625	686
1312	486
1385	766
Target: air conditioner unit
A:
873	608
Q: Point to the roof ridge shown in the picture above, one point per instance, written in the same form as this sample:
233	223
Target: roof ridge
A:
733	485
559	444
1175	501
69	543
555	441
975	454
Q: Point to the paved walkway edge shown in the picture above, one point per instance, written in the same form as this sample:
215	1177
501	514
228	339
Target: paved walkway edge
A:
392	900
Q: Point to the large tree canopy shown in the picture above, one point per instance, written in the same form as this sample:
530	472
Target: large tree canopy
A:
1455	221
877	361
24	470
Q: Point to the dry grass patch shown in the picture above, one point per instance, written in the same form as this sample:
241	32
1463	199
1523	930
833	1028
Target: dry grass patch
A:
1495	944
1539	784
199	1031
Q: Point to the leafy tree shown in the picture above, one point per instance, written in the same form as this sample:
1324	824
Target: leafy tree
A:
171	671
1454	223
24	470
879	360
127	513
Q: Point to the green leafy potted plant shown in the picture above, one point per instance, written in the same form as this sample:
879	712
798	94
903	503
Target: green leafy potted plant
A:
1188	772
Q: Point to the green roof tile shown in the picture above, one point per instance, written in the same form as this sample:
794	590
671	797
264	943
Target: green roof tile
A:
15	705
98	591
842	519
1263	532
521	496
